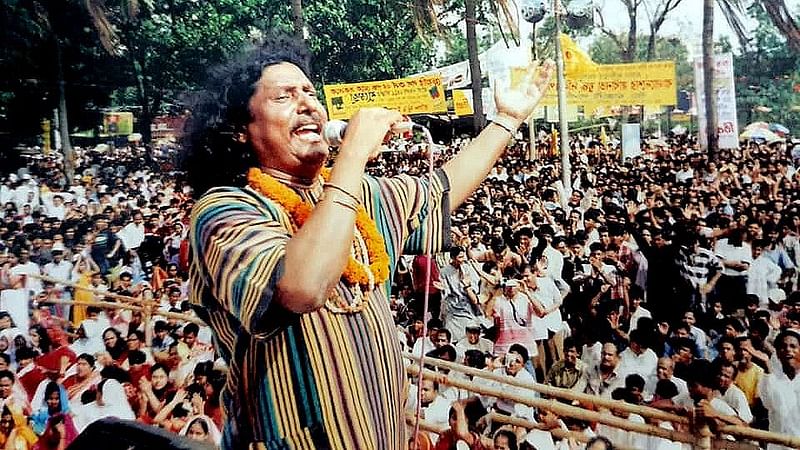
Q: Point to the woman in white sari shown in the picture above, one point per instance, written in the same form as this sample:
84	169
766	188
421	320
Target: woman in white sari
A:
111	401
201	428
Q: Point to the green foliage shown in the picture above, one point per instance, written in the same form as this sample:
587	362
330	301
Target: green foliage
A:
363	40
160	49
767	74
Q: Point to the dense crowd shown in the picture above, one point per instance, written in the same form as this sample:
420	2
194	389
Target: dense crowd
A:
129	347
667	279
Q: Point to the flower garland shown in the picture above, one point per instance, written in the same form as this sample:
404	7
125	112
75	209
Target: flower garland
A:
355	273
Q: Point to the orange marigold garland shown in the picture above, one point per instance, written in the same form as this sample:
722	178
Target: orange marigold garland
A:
355	273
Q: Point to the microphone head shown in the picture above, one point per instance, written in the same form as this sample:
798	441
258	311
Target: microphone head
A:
333	133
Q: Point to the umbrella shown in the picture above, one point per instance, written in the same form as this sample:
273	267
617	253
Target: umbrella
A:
757	125
759	134
778	128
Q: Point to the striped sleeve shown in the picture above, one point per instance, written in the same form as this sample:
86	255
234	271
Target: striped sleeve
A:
418	212
239	242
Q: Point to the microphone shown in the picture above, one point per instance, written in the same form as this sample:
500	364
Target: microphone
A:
334	131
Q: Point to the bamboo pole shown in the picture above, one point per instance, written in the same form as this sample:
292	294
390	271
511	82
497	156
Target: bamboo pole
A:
124	298
644	411
556	407
426	426
558	433
761	435
103	304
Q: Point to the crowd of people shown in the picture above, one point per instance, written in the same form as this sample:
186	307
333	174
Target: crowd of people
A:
129	347
666	280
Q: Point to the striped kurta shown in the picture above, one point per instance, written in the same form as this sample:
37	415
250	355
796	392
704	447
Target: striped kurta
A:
319	380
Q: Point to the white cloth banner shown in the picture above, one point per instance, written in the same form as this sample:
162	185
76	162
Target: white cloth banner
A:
631	140
727	122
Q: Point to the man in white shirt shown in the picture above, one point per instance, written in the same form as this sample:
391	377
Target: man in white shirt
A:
59	269
706	401
435	409
605	376
779	391
637	358
473	341
736	258
636	294
515	367
132	234
28	267
731	394
763	274
664	371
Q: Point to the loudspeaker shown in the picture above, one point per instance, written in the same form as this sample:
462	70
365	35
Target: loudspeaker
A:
116	434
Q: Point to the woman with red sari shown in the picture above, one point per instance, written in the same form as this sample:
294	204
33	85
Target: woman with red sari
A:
53	359
115	345
85	378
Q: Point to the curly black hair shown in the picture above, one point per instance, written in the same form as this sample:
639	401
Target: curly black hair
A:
215	153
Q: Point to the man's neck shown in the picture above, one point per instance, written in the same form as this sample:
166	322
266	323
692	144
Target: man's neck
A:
290	179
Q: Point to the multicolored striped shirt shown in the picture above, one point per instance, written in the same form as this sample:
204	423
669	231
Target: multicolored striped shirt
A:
319	380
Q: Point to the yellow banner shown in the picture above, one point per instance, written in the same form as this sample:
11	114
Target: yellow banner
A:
461	104
648	83
416	95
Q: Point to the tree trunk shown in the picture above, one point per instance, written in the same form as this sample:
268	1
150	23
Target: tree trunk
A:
63	124
474	66
630	53
146	116
651	45
297	18
708	78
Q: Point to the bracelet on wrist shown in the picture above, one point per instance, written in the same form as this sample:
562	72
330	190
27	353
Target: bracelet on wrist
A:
506	123
342	190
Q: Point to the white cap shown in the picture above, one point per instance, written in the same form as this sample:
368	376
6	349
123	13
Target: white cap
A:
776	295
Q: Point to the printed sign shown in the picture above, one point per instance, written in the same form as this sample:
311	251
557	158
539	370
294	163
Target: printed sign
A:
406	95
727	122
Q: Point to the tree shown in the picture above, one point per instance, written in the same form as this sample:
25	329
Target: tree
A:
779	14
44	48
475	11
656	19
657	13
767	74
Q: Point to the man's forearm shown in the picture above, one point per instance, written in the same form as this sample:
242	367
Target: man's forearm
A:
328	235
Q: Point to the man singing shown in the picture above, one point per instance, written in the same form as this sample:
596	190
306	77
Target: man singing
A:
292	262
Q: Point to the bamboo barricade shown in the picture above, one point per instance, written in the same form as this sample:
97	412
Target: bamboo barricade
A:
644	411
556	407
755	434
556	432
426	426
98	292
144	310
647	412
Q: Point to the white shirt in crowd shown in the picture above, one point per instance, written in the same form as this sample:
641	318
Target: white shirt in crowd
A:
762	276
781	397
723	250
736	399
643	364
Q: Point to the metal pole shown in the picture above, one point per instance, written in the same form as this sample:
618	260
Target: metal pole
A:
566	175
531	121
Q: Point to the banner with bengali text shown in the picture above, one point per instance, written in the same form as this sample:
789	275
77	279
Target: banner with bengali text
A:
424	94
647	83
